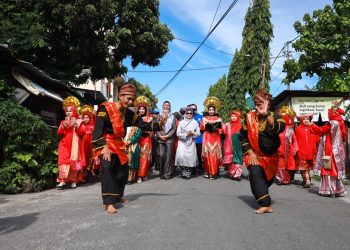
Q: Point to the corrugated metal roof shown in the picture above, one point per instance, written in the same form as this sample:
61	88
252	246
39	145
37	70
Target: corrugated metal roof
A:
8	61
306	93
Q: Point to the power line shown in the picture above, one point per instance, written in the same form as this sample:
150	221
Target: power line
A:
221	51
284	46
189	59
217	8
277	88
206	45
167	71
281	81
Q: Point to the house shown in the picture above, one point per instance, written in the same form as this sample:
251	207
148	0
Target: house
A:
37	91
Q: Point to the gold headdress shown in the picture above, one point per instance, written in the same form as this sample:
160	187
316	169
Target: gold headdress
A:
212	101
71	101
285	110
86	109
142	101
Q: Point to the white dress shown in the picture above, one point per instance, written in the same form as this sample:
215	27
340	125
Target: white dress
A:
186	153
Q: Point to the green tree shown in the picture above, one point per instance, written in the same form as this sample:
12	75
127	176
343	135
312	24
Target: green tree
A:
143	89
255	50
27	159
245	70
236	89
324	44
75	39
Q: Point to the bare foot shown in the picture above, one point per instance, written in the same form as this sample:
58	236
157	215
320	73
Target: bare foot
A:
263	210
110	209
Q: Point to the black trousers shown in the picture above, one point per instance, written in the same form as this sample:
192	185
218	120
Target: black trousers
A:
114	177
260	185
199	156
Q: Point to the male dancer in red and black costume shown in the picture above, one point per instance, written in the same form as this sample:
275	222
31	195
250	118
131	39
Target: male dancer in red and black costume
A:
260	142
112	120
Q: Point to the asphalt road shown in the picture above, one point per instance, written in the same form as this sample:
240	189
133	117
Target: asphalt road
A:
175	214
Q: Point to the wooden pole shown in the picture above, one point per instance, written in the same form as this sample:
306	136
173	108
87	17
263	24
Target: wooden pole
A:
263	76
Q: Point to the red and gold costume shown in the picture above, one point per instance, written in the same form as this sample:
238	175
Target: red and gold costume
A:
260	138
85	132
69	155
288	148
145	139
110	129
332	146
211	145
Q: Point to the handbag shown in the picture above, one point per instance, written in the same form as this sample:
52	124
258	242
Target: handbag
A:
327	162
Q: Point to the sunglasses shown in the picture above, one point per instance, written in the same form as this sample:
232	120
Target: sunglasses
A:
188	113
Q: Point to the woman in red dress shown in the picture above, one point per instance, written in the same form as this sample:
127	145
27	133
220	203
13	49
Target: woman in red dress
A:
287	149
69	167
306	155
211	146
330	159
85	132
143	104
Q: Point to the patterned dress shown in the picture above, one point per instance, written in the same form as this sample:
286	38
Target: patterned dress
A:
211	145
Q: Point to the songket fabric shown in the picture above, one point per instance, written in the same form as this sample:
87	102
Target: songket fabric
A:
186	153
264	141
331	144
233	157
286	153
69	155
146	151
110	129
211	146
85	133
133	135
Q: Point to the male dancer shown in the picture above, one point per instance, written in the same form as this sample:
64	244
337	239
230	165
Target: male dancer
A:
260	142
112	120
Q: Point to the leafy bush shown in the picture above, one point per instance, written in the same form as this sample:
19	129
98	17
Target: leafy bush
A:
27	157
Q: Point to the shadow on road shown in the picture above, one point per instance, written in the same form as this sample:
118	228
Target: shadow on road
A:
133	197
11	224
249	200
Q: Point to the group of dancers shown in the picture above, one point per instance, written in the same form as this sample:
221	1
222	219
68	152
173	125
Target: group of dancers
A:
121	133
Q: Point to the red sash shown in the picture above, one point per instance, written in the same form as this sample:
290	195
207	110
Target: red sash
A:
114	141
268	163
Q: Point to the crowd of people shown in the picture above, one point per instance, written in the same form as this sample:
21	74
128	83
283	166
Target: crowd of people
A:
123	139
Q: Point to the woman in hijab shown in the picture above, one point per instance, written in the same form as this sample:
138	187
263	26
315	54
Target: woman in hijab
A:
186	153
330	159
233	160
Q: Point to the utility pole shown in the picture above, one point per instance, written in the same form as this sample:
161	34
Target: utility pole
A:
263	69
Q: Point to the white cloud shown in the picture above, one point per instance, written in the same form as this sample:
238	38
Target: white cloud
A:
228	36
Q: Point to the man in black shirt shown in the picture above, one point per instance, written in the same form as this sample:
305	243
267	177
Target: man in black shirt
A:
260	142
110	128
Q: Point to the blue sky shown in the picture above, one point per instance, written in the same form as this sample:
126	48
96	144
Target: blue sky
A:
190	20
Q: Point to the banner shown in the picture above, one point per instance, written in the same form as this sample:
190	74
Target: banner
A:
315	105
